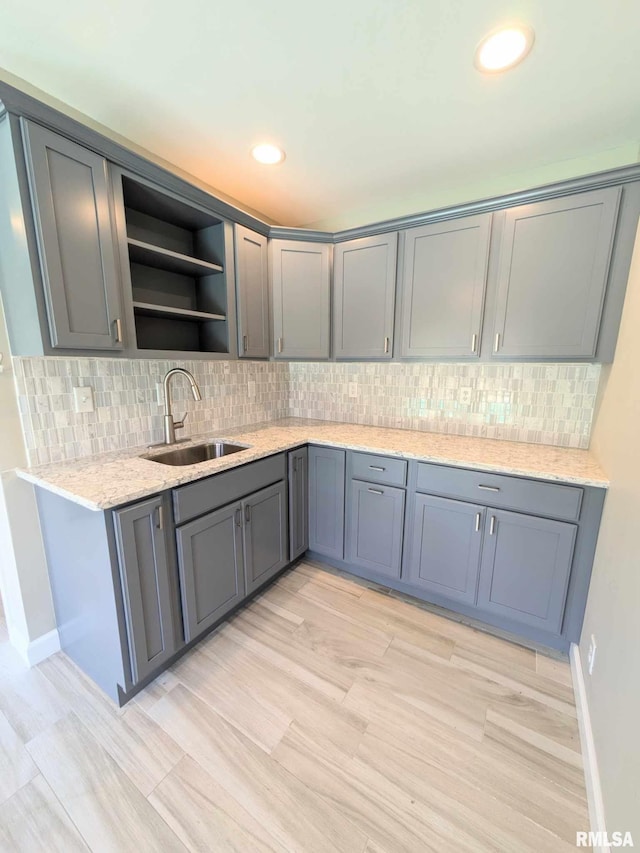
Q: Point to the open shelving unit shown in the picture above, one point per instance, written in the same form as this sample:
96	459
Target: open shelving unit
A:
178	282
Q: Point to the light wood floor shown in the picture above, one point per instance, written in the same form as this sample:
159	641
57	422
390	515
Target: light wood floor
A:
327	715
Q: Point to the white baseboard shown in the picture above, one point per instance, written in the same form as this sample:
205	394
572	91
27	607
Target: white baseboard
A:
34	651
589	757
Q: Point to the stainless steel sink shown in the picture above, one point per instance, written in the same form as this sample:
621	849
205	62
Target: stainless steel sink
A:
194	454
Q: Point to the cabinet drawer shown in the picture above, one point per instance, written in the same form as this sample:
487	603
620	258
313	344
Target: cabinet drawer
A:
546	499
379	469
226	487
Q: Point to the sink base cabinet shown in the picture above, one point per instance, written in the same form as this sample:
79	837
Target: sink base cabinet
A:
265	535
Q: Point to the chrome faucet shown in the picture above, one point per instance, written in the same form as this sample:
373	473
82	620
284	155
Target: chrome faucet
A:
170	426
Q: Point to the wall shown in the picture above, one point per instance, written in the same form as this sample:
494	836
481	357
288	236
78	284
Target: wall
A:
613	609
540	403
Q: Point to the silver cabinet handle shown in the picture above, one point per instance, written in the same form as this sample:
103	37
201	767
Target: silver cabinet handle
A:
245	343
238	517
489	488
496	346
247	513
118	325
377	468
376	491
160	517
279	344
474	342
492	526
387	343
478	519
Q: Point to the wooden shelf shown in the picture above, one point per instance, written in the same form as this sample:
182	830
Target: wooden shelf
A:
150	310
165	259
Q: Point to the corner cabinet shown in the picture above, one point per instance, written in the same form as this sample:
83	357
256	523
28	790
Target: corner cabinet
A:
364	297
300	281
252	291
443	288
70	197
552	278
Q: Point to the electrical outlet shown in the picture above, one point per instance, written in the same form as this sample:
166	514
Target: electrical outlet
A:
83	399
251	388
353	389
464	396
591	659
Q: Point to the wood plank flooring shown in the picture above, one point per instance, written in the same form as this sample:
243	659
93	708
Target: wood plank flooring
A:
327	715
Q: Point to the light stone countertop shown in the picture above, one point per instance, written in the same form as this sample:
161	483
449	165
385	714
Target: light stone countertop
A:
110	479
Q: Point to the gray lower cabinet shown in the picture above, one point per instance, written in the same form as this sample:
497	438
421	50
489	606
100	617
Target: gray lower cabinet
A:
443	288
211	568
71	204
446	543
300	280
326	501
375	521
364	286
252	289
265	535
298	502
526	563
146	590
554	264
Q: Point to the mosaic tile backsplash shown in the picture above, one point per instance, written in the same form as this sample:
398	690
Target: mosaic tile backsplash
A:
539	403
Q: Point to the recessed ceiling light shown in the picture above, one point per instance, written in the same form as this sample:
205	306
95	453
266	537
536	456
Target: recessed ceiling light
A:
268	154
504	48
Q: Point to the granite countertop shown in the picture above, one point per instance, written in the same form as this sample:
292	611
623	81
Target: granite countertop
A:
110	479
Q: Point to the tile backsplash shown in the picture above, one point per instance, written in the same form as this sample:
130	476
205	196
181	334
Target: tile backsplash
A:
127	413
540	403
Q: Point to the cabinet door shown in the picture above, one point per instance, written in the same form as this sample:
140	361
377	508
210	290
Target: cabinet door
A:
210	565
70	196
446	541
326	501
443	286
364	297
265	535
526	562
252	287
298	503
375	519
554	262
300	277
142	556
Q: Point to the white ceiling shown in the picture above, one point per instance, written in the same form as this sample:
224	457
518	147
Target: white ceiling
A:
373	101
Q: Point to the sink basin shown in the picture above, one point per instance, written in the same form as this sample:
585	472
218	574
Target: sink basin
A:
194	454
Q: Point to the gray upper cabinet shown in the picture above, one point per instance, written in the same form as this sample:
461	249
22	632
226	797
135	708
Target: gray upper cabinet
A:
446	541
364	273
146	588
300	277
252	289
298	502
265	535
326	501
554	263
526	563
210	565
375	520
70	198
443	287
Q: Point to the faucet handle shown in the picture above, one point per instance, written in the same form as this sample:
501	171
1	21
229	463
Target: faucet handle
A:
180	424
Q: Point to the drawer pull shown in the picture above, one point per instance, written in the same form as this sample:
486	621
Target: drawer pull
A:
280	344
490	488
247	513
160	517
386	344
245	343
496	345
118	324
376	491
492	526
377	468
474	342
238	518
478	519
